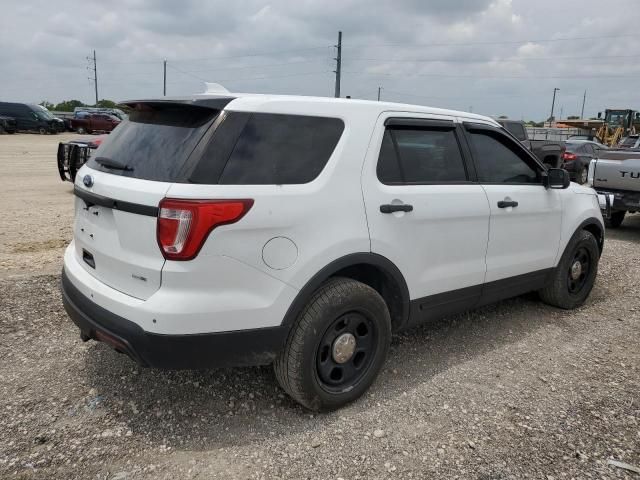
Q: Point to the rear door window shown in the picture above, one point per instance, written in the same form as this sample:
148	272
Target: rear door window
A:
420	156
276	149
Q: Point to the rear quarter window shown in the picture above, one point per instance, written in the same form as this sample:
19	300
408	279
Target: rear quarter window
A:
281	149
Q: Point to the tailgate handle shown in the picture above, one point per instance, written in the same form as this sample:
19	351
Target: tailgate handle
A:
88	259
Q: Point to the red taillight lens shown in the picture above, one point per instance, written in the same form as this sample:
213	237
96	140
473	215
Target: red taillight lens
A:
184	225
569	156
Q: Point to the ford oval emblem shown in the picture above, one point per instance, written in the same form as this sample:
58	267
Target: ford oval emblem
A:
88	181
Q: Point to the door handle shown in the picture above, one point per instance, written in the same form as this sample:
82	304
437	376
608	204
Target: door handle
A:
390	208
507	203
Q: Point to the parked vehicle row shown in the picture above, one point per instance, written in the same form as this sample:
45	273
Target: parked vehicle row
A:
31	117
220	230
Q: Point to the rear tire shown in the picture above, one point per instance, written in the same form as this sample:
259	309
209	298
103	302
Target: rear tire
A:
42	130
337	346
583	176
616	219
575	275
80	130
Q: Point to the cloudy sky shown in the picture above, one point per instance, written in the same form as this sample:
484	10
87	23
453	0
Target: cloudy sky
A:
491	56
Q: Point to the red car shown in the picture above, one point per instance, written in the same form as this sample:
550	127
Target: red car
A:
102	122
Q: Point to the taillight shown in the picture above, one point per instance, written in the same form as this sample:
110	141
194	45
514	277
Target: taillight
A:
184	225
569	156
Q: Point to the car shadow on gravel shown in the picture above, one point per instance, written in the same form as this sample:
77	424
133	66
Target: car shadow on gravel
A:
629	231
203	409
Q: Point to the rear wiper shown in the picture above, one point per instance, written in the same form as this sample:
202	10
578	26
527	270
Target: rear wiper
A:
113	164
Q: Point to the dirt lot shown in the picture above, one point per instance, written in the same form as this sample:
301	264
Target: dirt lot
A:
515	390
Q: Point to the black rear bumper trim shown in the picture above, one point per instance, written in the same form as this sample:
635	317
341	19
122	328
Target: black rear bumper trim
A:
195	351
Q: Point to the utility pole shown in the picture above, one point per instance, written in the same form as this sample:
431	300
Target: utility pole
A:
95	74
553	104
584	99
561	110
338	60
164	83
379	88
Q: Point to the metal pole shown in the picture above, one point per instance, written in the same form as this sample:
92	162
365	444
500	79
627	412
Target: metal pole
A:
379	88
164	83
584	99
338	65
553	104
95	75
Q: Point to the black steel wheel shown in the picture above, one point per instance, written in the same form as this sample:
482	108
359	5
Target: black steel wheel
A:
578	271
345	352
572	280
337	346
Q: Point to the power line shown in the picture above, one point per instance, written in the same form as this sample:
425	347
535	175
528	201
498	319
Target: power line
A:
510	60
521	77
500	42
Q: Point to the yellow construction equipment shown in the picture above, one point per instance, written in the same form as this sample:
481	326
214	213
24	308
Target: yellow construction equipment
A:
618	123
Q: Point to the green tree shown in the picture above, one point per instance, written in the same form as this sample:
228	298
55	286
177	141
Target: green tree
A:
46	104
68	105
106	104
503	117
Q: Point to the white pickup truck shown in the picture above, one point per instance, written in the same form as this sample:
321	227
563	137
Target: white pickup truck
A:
615	175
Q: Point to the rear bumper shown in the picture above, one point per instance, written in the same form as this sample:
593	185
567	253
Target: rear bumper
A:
195	351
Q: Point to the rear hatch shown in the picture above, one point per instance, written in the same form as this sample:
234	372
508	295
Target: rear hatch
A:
618	170
119	189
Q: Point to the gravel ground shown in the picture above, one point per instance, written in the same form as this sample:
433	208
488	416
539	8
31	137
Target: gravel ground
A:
514	390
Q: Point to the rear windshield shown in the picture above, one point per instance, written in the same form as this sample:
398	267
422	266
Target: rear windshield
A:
155	142
629	142
516	129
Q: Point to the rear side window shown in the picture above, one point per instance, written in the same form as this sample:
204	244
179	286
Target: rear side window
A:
516	129
419	156
155	142
275	149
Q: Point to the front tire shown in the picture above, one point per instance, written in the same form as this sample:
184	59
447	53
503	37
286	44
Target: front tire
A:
616	219
575	275
337	346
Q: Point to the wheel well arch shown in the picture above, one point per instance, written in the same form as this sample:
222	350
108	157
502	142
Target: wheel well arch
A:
372	269
594	226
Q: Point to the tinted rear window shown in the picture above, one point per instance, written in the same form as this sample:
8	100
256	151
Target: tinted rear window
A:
516	129
281	149
268	149
156	140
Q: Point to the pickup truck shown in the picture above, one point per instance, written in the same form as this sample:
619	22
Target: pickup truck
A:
88	123
615	175
549	153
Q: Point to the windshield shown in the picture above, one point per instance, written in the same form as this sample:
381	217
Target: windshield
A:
42	112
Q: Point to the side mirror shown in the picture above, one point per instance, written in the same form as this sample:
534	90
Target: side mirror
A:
599	115
557	178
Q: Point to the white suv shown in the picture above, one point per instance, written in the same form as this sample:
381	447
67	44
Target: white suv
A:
249	229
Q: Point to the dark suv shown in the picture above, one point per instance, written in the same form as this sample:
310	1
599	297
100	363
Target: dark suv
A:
32	117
